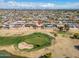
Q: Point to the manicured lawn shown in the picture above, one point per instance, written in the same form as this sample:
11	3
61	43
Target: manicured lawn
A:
9	40
37	39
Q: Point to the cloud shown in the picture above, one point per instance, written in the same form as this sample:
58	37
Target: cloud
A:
34	5
67	6
31	5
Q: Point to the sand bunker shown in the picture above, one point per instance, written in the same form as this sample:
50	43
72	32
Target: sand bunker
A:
24	45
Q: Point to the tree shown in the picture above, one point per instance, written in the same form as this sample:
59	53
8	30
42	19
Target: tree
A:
66	27
60	28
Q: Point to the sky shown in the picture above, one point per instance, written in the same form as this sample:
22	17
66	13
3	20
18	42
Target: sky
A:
39	4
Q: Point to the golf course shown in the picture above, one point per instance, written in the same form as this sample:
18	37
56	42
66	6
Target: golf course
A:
38	40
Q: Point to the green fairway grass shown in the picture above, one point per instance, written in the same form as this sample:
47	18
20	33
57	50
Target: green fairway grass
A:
37	39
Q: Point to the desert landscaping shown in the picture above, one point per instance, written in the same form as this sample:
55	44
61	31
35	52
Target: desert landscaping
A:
62	46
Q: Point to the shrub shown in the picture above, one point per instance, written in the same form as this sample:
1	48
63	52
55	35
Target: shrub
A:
75	36
48	55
